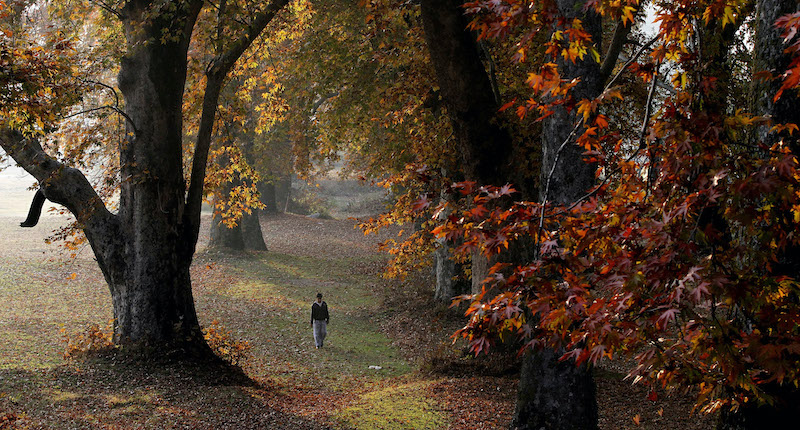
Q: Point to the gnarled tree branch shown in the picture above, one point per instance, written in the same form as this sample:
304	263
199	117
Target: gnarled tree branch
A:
69	187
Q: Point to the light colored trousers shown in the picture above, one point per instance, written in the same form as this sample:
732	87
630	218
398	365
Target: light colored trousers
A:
320	331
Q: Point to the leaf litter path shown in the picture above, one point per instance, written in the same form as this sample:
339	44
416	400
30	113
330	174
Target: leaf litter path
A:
260	297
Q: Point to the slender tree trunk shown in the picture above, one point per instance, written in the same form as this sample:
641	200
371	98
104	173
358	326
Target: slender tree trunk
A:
449	273
445	273
283	193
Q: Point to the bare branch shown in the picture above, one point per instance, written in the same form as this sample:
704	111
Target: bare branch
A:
105	6
630	61
621	32
572	135
642	145
114	108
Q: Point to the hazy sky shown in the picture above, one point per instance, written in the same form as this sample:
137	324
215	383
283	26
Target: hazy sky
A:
14	193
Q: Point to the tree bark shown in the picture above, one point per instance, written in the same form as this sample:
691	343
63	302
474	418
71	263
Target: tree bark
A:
553	394
268	196
251	232
468	95
769	56
783	415
152	299
466	92
445	273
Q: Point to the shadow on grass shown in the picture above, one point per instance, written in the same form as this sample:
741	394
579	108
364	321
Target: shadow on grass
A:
106	393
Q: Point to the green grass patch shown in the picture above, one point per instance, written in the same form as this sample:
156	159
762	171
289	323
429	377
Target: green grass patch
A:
299	278
394	408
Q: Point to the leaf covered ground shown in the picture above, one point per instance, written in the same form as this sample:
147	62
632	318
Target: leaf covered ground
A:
263	298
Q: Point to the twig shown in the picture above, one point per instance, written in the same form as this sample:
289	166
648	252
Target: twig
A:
114	108
105	6
643	132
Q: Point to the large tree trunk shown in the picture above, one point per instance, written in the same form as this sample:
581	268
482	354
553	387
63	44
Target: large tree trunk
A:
268	196
246	234
468	95
251	232
783	415
553	394
146	249
222	236
151	292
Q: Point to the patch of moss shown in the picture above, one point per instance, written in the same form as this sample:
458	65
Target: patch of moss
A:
394	408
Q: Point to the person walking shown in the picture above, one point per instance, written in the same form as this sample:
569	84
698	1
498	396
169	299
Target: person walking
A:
319	320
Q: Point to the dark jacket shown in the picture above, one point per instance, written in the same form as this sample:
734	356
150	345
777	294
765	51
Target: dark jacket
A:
319	312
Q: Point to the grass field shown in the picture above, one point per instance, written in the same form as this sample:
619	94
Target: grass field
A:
262	298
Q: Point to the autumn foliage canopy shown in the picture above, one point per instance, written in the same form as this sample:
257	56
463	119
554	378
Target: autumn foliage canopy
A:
682	254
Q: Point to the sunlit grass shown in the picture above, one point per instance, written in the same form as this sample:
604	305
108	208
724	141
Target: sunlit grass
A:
394	408
279	288
263	298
